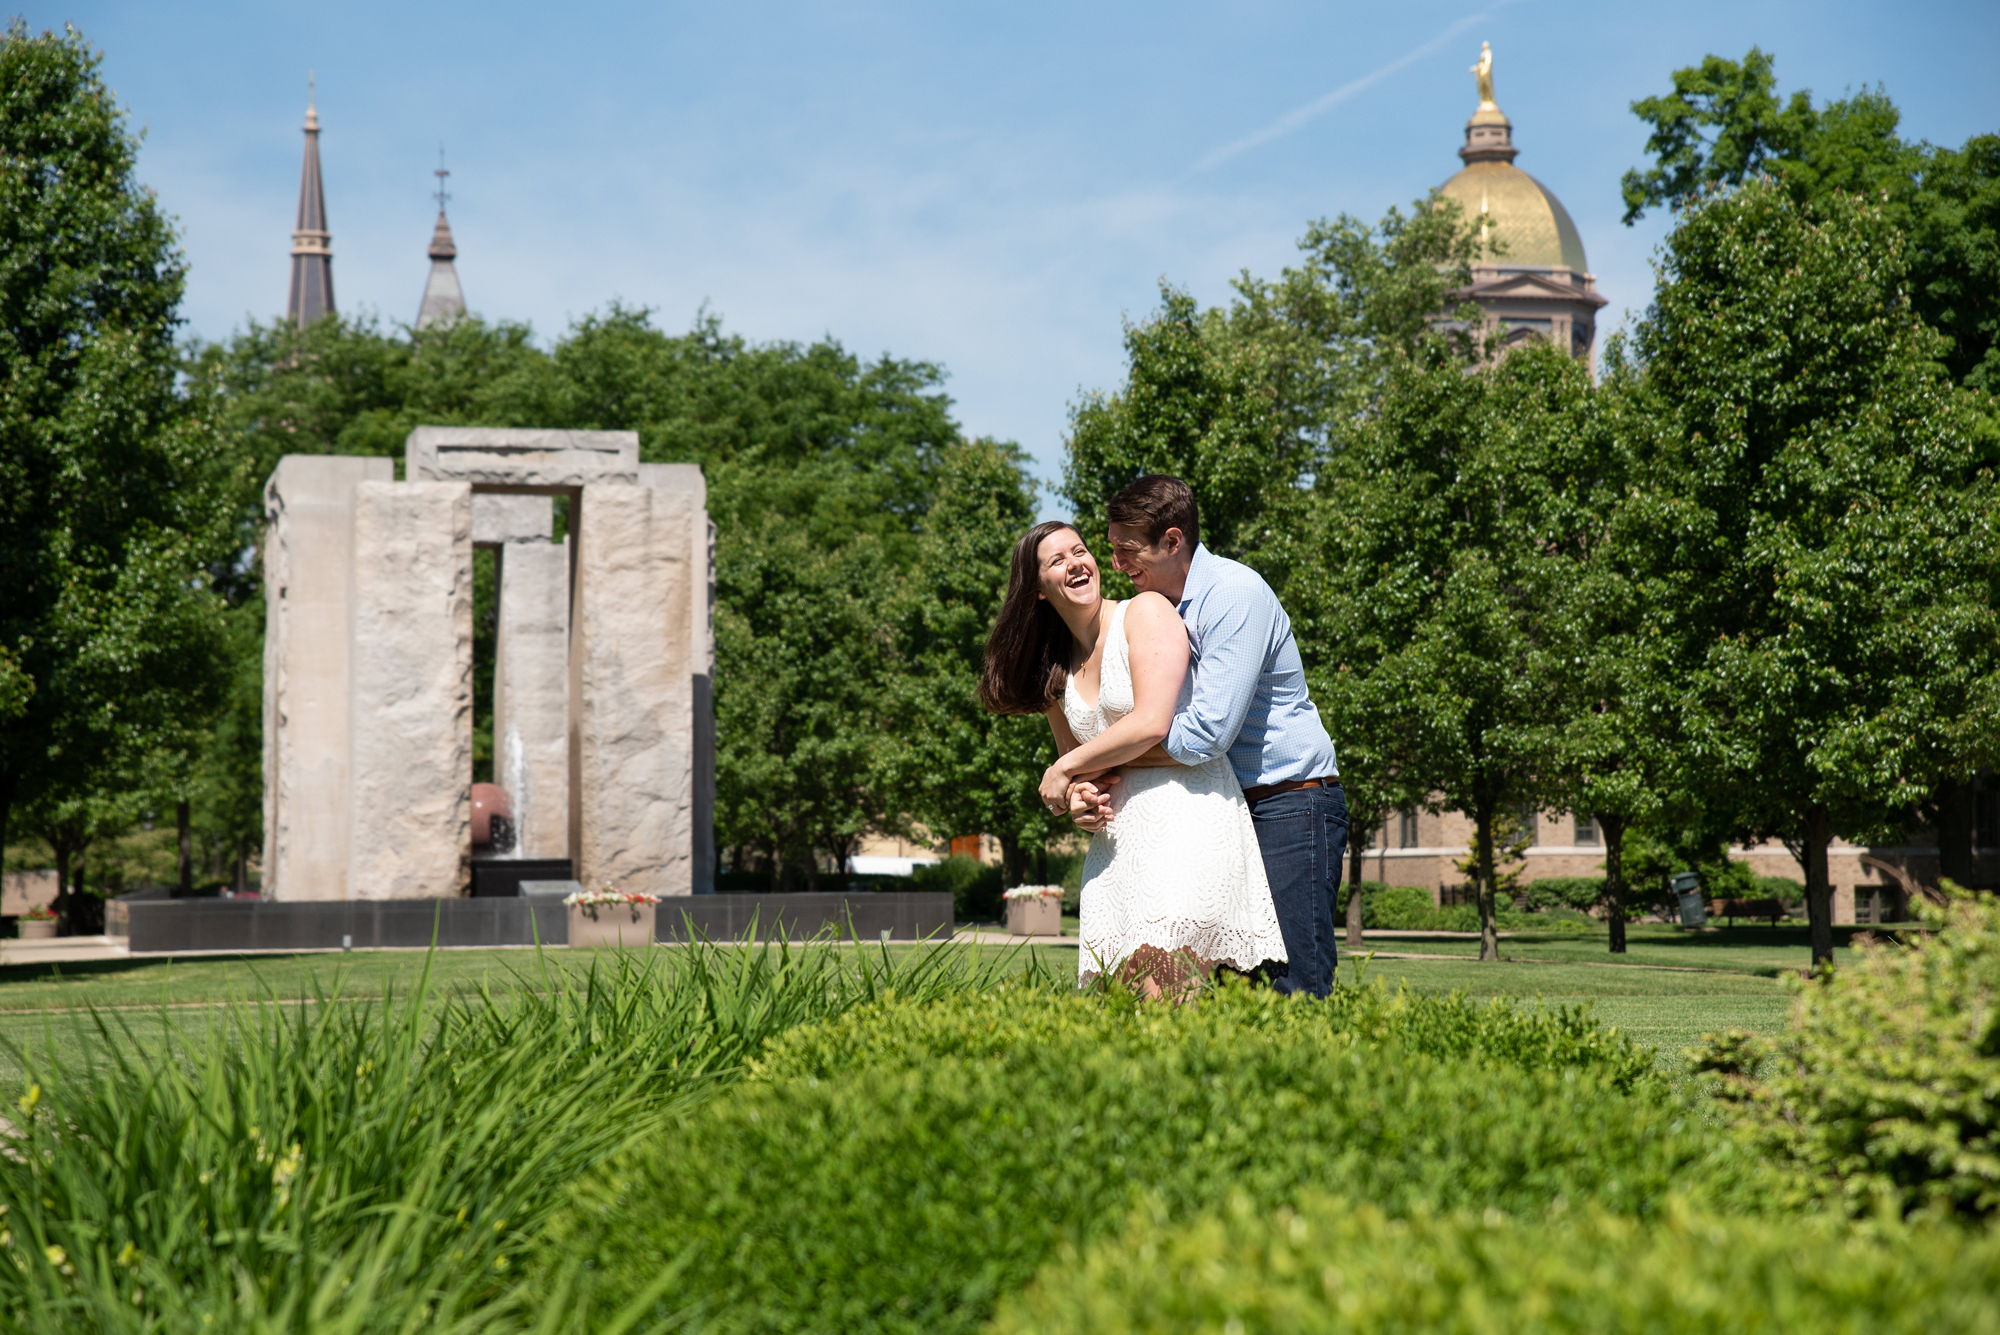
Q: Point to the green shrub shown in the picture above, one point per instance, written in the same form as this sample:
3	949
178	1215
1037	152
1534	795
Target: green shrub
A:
1408	908
903	1169
341	1165
1885	1085
1781	888
974	887
1565	892
1331	1265
1395	906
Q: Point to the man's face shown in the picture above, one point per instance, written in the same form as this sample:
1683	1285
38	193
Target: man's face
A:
1153	567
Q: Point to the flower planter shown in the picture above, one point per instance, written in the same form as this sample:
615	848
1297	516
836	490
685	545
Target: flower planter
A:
1039	916
32	930
626	925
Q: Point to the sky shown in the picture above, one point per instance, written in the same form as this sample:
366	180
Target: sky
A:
995	189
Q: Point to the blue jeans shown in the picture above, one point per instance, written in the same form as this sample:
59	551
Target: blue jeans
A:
1303	836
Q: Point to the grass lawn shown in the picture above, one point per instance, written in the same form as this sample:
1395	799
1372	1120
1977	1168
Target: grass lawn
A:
1736	986
1760	949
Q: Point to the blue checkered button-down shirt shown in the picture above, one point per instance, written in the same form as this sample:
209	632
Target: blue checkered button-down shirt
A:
1250	699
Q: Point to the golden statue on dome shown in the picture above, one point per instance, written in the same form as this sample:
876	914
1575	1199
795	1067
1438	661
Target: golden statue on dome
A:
1484	69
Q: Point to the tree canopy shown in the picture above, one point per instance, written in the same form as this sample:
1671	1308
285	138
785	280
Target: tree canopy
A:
1826	534
1724	124
115	493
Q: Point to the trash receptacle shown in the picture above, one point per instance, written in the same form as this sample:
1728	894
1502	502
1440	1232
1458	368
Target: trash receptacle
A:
1687	885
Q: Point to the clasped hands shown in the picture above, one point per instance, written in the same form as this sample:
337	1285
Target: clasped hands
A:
1086	798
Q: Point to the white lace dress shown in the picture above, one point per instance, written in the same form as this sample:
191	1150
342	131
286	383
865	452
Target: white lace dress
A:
1178	867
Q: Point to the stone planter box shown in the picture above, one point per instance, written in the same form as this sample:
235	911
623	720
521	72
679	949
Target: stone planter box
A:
626	925
30	930
1041	916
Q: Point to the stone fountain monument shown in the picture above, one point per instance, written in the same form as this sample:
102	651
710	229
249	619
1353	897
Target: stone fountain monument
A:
604	731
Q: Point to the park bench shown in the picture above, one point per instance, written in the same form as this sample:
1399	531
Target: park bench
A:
1749	908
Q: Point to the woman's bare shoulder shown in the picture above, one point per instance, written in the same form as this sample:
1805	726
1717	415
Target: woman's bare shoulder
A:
1150	614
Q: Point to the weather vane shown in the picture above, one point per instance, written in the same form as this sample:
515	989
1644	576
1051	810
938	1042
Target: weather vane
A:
441	173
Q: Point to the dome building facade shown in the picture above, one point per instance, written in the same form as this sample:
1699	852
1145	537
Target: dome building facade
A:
1532	279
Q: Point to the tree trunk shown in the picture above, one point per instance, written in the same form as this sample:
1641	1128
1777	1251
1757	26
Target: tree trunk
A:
60	904
1357	850
6	809
1817	832
1489	935
242	872
187	848
1955	831
1614	877
1013	861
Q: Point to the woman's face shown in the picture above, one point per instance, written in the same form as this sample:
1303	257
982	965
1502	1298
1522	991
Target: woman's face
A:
1067	570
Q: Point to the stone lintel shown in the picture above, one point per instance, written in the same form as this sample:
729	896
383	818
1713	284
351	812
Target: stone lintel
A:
509	457
308	555
497	520
410	714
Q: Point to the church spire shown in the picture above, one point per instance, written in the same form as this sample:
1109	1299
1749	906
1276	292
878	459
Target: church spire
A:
443	302
312	244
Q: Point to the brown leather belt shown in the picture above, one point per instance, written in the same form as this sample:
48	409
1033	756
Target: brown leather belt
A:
1264	790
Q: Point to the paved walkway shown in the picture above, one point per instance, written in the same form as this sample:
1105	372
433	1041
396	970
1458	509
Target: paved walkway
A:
63	950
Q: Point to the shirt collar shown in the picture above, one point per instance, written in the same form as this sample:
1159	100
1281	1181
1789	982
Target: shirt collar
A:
1201	570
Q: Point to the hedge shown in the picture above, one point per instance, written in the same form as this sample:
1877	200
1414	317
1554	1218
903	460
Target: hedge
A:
1331	1265
1408	908
1885	1087
903	1170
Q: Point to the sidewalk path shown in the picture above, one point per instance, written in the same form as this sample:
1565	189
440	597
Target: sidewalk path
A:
63	950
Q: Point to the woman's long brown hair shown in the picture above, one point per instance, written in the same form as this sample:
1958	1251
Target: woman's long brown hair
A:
1027	655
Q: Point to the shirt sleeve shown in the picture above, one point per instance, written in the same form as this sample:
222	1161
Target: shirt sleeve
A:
1235	636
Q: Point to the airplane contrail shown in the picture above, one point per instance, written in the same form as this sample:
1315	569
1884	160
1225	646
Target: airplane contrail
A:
1293	119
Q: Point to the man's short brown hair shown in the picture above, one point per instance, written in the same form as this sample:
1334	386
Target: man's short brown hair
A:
1154	504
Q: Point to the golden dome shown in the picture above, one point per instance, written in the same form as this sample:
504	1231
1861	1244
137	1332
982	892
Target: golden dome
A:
1520	212
1517	210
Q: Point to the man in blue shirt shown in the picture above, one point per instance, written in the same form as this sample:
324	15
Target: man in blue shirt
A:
1249	701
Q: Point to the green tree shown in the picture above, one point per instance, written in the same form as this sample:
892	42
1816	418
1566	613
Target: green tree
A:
803	711
1599	651
116	502
1249	404
1830	590
961	769
1437	528
1724	124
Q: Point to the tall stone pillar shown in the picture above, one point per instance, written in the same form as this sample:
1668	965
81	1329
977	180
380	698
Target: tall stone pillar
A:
688	480
410	710
308	564
631	689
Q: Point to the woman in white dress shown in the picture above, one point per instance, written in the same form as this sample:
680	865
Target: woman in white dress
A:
1174	886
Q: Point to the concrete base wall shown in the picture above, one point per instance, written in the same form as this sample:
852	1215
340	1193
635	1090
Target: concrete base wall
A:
168	926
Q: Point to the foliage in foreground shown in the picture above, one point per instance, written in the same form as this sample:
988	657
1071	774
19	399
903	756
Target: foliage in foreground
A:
358	1166
1334	1265
904	1167
1885	1087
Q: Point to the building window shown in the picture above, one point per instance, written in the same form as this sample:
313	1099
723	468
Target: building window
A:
1526	827
1406	828
1587	831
